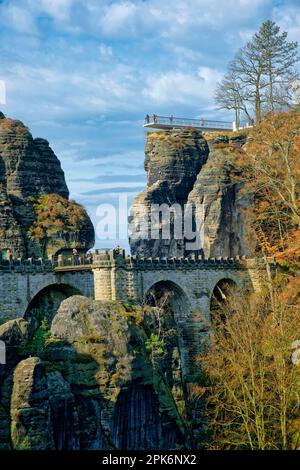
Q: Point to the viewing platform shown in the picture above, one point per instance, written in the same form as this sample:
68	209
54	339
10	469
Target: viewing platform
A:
170	122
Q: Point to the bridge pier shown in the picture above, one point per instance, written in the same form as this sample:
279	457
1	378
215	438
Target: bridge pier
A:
117	277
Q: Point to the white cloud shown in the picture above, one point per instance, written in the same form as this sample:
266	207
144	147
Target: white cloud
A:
246	34
21	19
105	51
288	19
180	87
131	18
172	19
94	71
58	9
119	16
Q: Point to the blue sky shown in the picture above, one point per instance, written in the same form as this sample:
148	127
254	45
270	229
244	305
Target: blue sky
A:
83	74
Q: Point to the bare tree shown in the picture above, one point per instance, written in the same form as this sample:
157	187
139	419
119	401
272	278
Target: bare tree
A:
248	65
252	383
231	95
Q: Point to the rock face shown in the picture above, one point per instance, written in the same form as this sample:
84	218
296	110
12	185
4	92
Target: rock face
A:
64	417
221	209
173	160
119	398
30	410
184	168
94	385
14	334
29	169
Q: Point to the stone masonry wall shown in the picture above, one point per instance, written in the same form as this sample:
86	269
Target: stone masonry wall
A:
111	276
121	278
21	283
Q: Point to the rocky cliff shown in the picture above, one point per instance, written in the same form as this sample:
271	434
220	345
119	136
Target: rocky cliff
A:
173	160
93	381
191	171
29	171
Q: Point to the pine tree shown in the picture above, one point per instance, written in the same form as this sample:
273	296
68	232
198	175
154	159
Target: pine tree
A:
264	71
278	60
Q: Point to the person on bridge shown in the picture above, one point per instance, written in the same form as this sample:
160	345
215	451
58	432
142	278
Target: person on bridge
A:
118	250
154	118
147	118
75	257
89	258
8	254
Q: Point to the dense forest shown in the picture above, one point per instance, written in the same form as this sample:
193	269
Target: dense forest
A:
252	376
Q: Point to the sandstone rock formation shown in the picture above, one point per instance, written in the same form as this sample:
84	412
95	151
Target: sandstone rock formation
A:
29	169
30	410
173	160
14	334
221	209
186	169
94	385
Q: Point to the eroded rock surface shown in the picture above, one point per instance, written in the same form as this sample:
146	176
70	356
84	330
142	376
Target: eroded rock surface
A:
31	426
29	170
184	168
221	209
94	385
172	161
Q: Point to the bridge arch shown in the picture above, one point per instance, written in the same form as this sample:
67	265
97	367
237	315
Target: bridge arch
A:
223	289
178	316
44	305
179	301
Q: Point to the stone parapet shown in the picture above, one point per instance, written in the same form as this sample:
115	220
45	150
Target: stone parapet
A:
111	258
30	265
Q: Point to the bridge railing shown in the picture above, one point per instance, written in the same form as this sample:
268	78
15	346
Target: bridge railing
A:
88	259
109	258
26	265
171	121
68	261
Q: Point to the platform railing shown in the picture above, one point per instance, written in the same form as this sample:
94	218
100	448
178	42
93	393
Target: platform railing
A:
171	121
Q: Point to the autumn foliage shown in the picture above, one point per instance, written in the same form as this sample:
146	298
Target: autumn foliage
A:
271	170
56	217
252	388
252	385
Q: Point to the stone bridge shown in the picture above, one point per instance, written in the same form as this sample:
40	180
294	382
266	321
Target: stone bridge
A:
114	276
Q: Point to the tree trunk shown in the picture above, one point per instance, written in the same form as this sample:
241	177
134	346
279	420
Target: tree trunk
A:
271	95
257	105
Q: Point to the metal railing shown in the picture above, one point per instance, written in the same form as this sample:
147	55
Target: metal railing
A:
171	121
76	262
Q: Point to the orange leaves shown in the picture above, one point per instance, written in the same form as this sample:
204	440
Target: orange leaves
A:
253	384
291	254
272	176
290	291
56	216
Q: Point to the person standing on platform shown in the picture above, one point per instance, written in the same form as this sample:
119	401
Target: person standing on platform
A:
75	257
